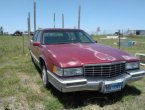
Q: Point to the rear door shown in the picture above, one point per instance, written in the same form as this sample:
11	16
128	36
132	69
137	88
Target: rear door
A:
38	49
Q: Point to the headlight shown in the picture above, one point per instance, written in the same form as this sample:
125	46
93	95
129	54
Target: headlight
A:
73	72
68	71
57	71
132	65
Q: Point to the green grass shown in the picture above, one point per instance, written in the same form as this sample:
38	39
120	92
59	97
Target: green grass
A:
140	46
21	85
53	104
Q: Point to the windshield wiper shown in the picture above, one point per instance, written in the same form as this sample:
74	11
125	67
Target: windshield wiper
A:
87	42
64	43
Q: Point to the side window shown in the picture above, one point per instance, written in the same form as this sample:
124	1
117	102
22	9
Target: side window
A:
83	38
39	36
34	38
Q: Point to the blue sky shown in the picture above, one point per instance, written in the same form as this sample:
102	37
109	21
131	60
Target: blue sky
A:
110	15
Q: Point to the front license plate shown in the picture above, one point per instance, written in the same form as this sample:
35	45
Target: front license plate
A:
112	87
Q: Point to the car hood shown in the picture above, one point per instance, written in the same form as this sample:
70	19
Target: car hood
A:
75	55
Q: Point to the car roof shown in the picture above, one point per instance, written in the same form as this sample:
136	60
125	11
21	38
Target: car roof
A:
59	29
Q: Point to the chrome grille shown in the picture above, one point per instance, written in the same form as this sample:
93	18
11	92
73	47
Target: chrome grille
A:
105	70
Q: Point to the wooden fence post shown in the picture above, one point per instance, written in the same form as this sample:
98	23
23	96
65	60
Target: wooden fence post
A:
119	39
23	44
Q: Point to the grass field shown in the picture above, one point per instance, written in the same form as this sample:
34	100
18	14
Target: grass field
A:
21	87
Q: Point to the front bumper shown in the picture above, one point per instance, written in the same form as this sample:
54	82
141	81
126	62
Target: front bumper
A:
93	83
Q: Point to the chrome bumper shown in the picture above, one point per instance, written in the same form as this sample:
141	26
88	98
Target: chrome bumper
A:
93	83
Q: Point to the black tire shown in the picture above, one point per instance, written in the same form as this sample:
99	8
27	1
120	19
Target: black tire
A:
44	76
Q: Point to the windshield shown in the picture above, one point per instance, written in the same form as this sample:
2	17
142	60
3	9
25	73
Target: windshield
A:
64	37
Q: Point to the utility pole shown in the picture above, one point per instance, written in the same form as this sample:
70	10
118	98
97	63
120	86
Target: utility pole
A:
34	15
79	16
54	20
62	20
29	27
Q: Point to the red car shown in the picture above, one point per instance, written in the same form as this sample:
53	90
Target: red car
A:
72	61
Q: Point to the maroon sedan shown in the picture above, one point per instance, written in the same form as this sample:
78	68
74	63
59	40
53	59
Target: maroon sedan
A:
72	61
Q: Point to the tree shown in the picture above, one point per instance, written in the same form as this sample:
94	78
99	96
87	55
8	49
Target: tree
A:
98	30
1	30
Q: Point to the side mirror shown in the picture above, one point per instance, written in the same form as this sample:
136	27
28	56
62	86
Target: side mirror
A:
36	44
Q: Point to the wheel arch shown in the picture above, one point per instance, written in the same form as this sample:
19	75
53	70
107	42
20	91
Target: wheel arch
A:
42	62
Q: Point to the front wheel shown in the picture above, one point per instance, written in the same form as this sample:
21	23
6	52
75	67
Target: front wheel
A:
44	76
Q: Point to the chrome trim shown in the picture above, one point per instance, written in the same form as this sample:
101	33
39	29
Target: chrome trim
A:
105	70
34	56
104	63
60	83
72	84
135	73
